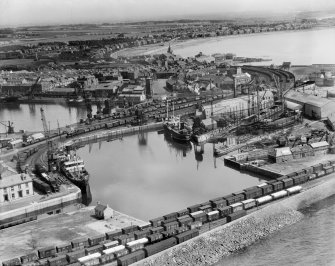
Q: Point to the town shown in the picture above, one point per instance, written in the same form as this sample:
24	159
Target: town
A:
273	121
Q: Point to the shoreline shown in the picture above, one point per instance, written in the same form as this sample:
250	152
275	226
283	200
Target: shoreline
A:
212	247
157	48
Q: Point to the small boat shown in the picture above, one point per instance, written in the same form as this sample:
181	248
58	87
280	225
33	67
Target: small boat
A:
76	101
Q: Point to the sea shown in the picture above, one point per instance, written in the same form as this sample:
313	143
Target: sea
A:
148	175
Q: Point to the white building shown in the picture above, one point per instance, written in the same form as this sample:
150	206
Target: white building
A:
15	187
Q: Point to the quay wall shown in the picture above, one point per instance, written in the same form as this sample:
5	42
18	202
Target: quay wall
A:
35	209
213	246
113	134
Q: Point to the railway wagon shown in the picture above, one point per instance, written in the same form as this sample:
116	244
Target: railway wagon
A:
129	229
293	190
249	204
63	249
300	179
236	215
111	244
46	252
123	239
170	215
95	240
181	229
28	258
240	194
108	258
253	192
157	221
183	212
263	200
288	182
145	226
171	225
113	234
169	233
80	243
155	237
277	185
137	244
12	262
94	249
231	199
142	233
117	251
237	206
213	215
219	203
131	258
187	235
224	211
43	262
195	225
199	216
266	188
279	194
74	255
58	261
206	208
185	220
160	246
90	260
158	229
194	208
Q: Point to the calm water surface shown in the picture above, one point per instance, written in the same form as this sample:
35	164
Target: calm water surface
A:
148	176
308	242
28	116
298	47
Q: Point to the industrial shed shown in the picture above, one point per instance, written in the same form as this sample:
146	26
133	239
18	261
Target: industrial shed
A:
280	155
319	108
320	148
313	106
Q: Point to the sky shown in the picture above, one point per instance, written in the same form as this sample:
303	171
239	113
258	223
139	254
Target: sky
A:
48	12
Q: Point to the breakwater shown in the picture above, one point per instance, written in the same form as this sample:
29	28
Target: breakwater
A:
213	246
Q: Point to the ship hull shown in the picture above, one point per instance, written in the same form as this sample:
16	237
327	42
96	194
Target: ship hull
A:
176	135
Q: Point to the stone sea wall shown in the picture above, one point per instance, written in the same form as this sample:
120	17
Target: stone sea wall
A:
212	246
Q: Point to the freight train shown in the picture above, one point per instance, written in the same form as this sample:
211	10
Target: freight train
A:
134	243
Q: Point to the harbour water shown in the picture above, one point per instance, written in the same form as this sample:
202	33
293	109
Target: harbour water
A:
150	175
28	116
308	242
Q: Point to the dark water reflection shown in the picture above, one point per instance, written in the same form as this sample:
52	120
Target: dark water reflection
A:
149	175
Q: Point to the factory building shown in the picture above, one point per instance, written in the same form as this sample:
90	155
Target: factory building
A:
313	106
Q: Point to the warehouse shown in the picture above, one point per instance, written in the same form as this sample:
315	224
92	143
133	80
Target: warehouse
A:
313	106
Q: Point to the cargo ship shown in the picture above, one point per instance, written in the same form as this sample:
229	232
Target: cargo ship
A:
10	99
73	168
177	130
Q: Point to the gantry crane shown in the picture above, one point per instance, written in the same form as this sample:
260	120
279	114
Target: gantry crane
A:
47	136
32	88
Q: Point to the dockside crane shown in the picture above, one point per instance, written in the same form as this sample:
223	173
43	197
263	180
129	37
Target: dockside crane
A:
33	87
47	136
9	126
